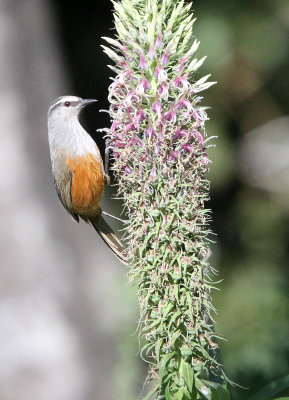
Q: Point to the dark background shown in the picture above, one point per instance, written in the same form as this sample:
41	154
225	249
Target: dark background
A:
247	47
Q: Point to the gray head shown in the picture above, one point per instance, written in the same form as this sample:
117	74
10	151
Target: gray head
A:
64	129
68	106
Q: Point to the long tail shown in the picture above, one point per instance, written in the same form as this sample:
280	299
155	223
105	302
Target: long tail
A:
109	237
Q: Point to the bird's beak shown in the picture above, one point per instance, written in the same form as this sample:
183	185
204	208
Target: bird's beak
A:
87	101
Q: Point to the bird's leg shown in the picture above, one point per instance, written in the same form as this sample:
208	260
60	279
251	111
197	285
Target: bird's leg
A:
106	161
106	170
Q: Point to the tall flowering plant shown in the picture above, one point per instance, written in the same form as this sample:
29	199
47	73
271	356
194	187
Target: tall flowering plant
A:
159	146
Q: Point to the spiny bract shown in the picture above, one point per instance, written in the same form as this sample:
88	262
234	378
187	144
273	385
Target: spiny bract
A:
158	142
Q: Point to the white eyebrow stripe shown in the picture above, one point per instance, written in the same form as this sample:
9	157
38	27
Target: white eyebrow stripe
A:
56	104
59	102
62	100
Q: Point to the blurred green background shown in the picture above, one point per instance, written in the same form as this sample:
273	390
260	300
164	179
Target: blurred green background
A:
247	46
68	317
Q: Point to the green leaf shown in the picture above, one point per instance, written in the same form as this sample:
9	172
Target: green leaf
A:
282	398
146	348
212	390
174	337
168	393
219	392
176	292
189	302
158	348
275	387
150	393
188	374
203	389
182	394
152	325
158	225
166	311
164	361
174	317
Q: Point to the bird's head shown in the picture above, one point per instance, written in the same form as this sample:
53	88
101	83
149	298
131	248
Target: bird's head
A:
67	107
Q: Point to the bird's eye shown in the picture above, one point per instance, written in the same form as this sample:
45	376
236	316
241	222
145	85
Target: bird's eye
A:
67	104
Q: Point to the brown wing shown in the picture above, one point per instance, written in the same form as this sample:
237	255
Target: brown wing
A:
62	183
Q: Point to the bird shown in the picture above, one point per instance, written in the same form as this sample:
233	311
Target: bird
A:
77	168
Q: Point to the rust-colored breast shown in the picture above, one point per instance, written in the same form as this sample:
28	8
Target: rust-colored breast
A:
87	184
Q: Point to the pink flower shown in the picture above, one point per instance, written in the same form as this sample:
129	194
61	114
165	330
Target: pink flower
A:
128	127
184	103
156	149
128	169
148	159
139	116
119	144
181	83
181	133
126	53
198	136
151	52
160	73
130	98
143	64
124	49
182	64
171	116
187	148
159	41
200	116
150	132
156	107
153	173
204	159
173	156
142	86
124	74
135	140
114	125
164	91
165	59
